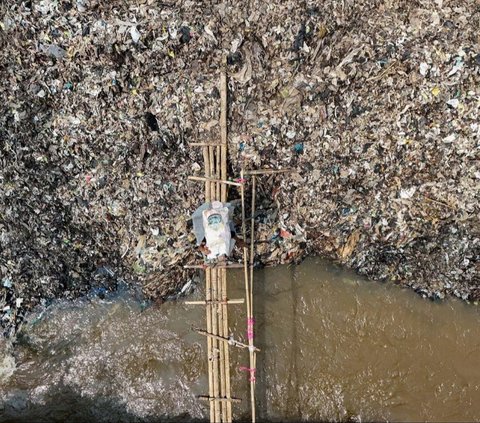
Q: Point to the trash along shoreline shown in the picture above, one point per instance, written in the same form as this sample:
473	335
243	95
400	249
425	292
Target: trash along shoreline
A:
374	105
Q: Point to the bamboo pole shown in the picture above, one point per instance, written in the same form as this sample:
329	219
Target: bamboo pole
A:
225	346
223	125
229	341
252	239
215	266
217	326
223	198
209	341
208	294
217	172
215	345
268	171
221	346
253	356
248	299
220	181
210	398
212	173
223	302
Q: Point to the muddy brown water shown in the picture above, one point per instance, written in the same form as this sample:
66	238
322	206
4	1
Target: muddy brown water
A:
335	347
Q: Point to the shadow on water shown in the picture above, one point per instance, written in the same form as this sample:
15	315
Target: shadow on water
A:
66	405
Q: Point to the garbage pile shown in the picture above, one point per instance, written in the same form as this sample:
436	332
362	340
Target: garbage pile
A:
376	104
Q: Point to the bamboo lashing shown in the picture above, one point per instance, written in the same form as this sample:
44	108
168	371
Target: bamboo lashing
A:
229	341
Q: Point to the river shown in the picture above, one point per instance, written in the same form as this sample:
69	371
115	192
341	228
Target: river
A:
333	346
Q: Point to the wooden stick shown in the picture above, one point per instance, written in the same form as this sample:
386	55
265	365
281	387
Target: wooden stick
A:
268	171
214	266
230	341
223	302
210	398
200	178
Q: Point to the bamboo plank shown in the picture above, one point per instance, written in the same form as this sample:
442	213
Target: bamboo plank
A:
223	273
253	356
220	181
268	171
217	172
209	341
230	341
248	299
221	346
204	302
210	398
252	239
215	345
223	126
212	172
214	266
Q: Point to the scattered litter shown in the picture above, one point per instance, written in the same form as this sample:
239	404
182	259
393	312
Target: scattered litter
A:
135	34
454	102
102	104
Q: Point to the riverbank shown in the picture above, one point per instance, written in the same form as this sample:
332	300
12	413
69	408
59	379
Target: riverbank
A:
376	105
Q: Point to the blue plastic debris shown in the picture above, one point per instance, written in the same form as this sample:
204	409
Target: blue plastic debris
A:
298	148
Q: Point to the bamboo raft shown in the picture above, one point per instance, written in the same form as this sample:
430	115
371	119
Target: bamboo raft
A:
216	299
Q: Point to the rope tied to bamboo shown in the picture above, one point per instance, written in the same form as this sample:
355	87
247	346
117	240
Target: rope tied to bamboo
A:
252	372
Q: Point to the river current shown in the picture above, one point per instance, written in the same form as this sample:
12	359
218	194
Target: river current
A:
334	347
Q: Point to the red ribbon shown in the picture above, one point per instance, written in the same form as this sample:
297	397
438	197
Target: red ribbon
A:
251	371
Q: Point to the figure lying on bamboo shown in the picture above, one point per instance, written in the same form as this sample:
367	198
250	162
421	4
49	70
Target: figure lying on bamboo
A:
214	229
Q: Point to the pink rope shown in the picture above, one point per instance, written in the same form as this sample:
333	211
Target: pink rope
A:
250	322
251	371
241	180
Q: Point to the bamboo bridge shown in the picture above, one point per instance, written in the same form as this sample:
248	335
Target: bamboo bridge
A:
216	299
